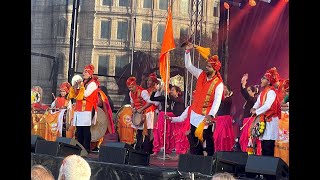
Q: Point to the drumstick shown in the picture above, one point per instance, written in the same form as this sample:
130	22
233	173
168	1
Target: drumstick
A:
245	123
54	97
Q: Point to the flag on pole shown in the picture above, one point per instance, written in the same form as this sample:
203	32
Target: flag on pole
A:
167	45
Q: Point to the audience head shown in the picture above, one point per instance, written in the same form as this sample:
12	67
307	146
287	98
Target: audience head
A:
39	172
74	167
223	176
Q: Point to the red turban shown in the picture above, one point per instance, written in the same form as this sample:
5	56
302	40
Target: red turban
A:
268	76
153	77
89	68
215	63
65	86
274	75
131	81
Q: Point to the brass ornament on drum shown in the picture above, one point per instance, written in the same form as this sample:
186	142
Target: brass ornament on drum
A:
99	129
257	127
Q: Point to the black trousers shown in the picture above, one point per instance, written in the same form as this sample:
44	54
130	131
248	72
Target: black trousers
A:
195	144
84	136
146	145
267	147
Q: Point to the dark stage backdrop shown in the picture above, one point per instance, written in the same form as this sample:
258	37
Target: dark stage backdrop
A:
258	40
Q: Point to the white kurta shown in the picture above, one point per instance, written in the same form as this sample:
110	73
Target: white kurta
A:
196	119
84	118
145	96
182	117
271	131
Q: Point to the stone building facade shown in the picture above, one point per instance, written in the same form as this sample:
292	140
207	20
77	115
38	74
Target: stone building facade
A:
104	35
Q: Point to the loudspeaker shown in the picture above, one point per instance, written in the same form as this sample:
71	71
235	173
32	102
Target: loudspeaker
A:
122	153
56	148
34	139
231	162
196	163
273	168
73	142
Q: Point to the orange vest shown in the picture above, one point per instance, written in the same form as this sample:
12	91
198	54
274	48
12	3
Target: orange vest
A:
275	109
88	102
61	102
138	101
204	96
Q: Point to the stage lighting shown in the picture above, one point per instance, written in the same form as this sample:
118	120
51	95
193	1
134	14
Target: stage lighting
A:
267	1
252	3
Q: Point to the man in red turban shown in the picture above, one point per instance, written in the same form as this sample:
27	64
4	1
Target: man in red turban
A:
267	107
140	101
205	102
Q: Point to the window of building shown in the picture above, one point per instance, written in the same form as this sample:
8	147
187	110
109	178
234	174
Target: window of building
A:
215	11
184	6
103	65
122	30
183	33
163	4
160	33
62	27
147	3
146	32
124	3
107	2
121	61
105	29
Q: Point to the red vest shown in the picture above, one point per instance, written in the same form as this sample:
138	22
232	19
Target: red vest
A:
280	91
275	109
61	102
88	102
204	96
138	101
153	107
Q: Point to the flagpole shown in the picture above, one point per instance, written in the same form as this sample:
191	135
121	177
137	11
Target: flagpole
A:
165	106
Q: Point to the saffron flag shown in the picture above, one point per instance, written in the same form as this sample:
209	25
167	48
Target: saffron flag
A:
167	45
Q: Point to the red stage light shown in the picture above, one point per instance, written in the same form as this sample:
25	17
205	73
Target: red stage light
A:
226	5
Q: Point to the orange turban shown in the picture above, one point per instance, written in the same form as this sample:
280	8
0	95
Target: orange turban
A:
153	77
65	86
89	68
215	63
131	81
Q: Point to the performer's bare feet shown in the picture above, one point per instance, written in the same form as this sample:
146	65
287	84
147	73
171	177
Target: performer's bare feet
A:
205	153
154	154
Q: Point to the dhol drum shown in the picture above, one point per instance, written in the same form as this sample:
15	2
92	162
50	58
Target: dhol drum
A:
137	119
257	127
124	122
99	129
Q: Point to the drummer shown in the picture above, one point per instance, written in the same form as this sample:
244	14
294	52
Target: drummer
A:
85	114
267	107
140	100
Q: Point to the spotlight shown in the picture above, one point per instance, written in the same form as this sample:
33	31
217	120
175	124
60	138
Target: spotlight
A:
252	3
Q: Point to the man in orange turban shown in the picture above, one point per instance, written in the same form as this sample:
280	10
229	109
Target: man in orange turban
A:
206	101
85	113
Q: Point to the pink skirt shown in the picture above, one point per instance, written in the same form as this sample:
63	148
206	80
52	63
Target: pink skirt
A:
244	138
223	135
158	131
180	137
